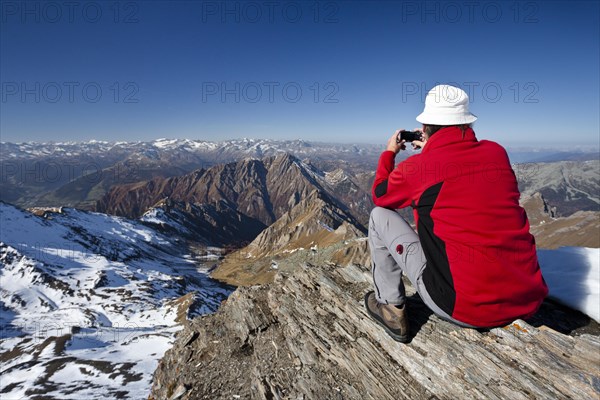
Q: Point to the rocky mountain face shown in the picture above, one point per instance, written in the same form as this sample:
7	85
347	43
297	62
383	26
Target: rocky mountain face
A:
311	222
218	224
537	208
309	227
307	335
350	192
570	186
550	231
263	189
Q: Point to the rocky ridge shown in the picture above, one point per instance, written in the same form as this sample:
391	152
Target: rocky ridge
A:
262	189
307	335
551	231
312	226
570	186
537	208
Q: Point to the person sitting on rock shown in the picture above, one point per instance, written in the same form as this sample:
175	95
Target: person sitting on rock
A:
472	258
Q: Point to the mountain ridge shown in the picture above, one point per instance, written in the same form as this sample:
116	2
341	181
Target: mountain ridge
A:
263	189
307	335
314	224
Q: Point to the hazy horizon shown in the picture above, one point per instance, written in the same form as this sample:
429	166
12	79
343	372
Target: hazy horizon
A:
563	147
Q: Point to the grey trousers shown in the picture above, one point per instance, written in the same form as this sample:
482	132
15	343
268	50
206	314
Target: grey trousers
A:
396	249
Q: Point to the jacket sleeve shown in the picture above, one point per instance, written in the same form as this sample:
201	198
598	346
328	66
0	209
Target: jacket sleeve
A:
391	189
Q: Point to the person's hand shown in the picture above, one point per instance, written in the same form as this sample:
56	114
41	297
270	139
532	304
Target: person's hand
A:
419	144
394	145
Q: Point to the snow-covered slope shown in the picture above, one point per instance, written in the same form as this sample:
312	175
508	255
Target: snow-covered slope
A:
573	277
215	224
90	302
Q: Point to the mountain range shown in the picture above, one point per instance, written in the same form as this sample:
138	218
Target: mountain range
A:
78	174
88	290
261	189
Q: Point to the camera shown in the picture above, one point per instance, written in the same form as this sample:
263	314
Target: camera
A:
408	136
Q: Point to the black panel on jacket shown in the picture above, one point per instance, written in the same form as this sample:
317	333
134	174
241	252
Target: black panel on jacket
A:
381	189
436	276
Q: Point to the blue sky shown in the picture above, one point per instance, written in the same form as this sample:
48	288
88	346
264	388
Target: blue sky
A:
345	71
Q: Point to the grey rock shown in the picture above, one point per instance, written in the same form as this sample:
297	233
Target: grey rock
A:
179	392
308	336
190	337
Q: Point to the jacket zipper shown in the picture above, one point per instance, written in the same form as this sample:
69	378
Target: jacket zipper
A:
375	282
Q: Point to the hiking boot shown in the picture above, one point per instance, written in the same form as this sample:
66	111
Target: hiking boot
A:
392	318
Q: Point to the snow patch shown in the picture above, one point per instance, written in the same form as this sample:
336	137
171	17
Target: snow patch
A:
573	277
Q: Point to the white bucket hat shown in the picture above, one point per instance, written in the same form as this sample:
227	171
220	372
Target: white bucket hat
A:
446	105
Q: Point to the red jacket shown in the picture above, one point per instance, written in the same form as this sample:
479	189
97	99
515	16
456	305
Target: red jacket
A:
482	266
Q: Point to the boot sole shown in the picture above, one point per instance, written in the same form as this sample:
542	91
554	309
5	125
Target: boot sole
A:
397	337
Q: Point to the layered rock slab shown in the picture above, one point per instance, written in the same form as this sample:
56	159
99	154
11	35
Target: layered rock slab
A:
307	335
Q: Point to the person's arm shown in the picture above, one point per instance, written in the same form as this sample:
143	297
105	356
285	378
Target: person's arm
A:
390	189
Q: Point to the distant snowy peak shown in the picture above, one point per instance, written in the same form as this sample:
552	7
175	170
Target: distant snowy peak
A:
83	172
235	147
163	142
336	177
